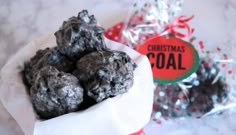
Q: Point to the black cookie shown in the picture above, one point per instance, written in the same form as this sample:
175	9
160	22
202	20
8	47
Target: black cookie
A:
211	82
105	74
193	96
46	57
212	89
80	35
55	93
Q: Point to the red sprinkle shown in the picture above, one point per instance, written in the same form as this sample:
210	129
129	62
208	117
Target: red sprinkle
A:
223	65
154	107
159	122
174	99
218	49
206	64
168	91
184	97
201	44
201	102
141	18
230	72
177	108
198	117
194	110
192	39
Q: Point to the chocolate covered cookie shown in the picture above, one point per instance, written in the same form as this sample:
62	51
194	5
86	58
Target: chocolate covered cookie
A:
46	57
55	93
80	35
105	73
79	72
212	89
193	96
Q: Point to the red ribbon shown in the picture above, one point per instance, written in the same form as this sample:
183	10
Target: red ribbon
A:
140	132
181	23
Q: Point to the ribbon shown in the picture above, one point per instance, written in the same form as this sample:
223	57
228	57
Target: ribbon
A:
140	132
181	23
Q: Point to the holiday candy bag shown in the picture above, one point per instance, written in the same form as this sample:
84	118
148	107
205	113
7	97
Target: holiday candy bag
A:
209	90
205	88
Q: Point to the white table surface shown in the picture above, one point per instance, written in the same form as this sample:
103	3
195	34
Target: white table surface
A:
22	21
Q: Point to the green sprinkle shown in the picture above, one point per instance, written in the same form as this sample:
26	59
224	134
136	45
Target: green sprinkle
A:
220	77
180	4
234	94
135	4
189	114
158	100
136	12
143	29
206	110
173	114
145	5
173	13
171	35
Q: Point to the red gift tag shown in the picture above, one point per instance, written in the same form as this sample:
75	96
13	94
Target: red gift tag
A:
171	58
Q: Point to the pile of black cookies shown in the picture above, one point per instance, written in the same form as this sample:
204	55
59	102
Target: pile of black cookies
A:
195	96
79	72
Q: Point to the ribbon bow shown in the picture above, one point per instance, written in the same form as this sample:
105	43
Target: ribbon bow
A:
181	23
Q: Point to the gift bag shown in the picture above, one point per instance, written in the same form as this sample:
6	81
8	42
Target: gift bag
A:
206	84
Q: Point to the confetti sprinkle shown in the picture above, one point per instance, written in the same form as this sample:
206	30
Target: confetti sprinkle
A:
161	94
192	39
230	72
158	122
201	44
223	65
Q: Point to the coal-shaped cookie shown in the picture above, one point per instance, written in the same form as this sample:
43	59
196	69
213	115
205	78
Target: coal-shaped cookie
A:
105	74
194	96
212	89
80	35
212	82
43	58
55	93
